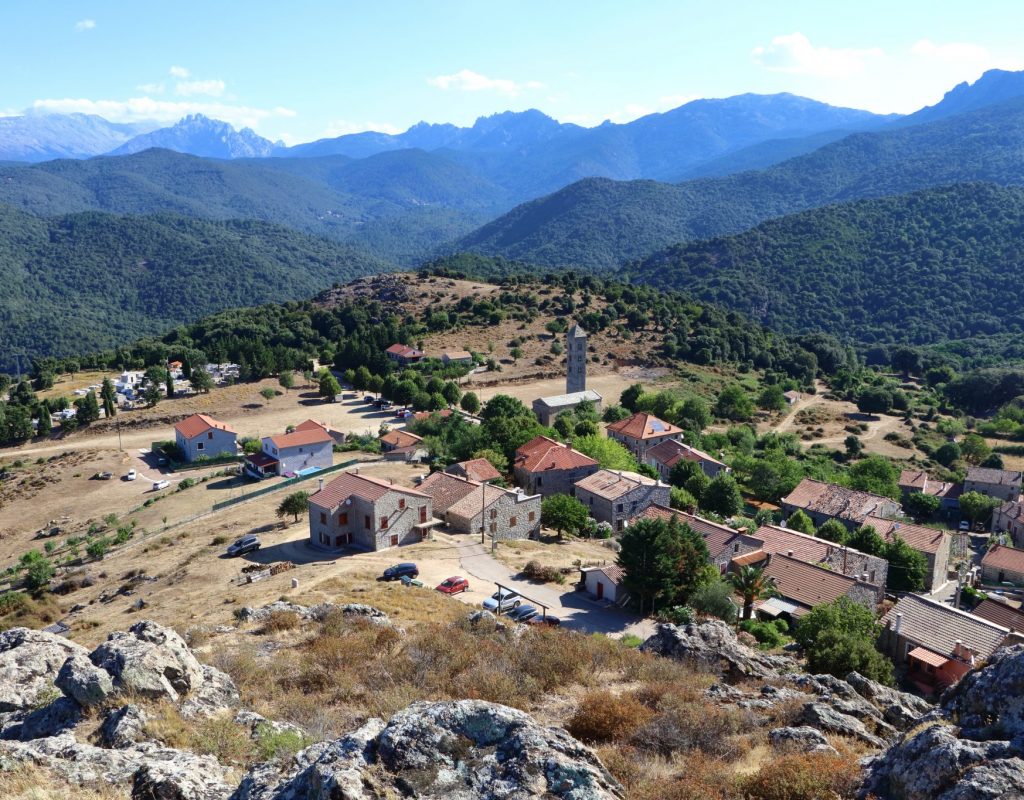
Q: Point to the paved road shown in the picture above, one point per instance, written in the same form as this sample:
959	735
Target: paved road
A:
576	610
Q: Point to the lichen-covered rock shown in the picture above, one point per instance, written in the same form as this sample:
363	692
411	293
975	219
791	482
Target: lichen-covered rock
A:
460	750
53	719
216	693
713	644
802	738
83	681
826	718
899	709
176	779
29	663
149	660
317	612
123	727
989	703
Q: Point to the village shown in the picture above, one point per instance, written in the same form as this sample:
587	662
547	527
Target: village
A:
482	529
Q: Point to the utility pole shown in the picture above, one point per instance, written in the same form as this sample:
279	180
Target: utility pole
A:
118	424
483	509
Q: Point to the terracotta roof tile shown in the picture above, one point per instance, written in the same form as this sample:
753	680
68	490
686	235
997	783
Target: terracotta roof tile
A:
613	572
541	454
671	452
644	426
1000	557
299	438
1000	614
611	484
835	501
191	427
476	469
782	540
400	439
350	484
926	540
447	490
313	425
717	537
806	583
937	627
1013	510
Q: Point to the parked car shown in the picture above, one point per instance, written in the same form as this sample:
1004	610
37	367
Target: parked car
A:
158	485
393	573
403	413
503	600
545	620
103	476
453	585
131	475
247	544
369	399
523	613
965	525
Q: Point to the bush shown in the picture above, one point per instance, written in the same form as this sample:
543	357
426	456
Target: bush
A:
98	548
677	615
715	600
278	745
279	621
603	717
766	633
691	726
806	776
535	571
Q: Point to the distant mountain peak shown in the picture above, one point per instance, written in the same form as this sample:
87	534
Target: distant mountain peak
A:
993	87
199	135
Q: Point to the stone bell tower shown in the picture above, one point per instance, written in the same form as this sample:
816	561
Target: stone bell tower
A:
576	356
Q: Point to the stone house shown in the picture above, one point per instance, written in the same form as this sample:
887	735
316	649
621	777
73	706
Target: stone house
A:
457	357
394	440
200	436
723	543
808	585
476	469
404	355
467	505
937	644
913	480
366	513
618	497
1002	565
1009	517
547	408
663	457
824	501
642	431
1003	484
312	448
545	467
934	545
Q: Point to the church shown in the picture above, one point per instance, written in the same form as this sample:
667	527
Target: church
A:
576	391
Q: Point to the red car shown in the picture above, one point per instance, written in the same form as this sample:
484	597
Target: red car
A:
454	585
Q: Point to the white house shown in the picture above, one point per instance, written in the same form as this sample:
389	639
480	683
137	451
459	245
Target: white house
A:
604	583
310	448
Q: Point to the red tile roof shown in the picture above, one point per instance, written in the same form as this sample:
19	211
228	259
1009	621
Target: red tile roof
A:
421	415
351	484
400	439
541	454
612	572
446	489
717	537
191	427
1001	557
671	452
938	627
926	540
644	426
782	540
835	501
476	469
313	425
1000	614
805	583
299	438
753	557
404	351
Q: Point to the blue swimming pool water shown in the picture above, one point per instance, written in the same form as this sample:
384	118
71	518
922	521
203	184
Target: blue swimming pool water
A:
307	471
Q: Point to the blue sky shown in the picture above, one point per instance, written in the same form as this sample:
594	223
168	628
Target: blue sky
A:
301	70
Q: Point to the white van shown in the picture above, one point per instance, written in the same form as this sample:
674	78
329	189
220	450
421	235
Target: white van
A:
158	485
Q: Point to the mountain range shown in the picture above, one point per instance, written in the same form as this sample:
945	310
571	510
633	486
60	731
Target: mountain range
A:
201	136
41	137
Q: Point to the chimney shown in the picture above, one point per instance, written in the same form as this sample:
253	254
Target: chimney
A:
355	471
321	485
864	577
789	553
899	622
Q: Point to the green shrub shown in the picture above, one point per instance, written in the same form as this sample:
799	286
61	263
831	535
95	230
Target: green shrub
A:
766	633
279	745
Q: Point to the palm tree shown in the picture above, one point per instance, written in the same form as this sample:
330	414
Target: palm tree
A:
752	584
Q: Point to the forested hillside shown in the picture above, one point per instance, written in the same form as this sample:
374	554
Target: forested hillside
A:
89	281
936	265
582	226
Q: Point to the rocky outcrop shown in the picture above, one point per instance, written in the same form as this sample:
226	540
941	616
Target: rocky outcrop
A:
123	727
970	748
83	682
826	718
317	612
460	750
803	739
53	719
29	663
713	644
214	694
151	661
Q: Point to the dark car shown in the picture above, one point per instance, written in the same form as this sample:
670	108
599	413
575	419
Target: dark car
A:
368	398
523	613
398	571
453	585
547	620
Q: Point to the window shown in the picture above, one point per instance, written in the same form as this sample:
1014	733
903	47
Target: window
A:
871	577
383	523
513	522
366	522
209	435
540	481
618	507
401	504
323	517
494	513
532	516
343	518
423	513
199	445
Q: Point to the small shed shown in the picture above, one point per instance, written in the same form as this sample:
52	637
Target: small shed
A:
604	583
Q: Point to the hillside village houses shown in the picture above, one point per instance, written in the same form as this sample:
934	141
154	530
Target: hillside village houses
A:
1001	565
801	586
1009	517
1003	484
200	436
290	453
476	469
576	391
641	432
935	545
469	506
912	480
366	513
617	497
825	501
544	466
663	457
723	543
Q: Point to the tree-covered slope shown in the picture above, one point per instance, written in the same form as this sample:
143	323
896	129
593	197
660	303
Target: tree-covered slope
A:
936	265
580	225
91	280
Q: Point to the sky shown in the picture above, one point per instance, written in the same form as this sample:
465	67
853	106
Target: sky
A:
301	70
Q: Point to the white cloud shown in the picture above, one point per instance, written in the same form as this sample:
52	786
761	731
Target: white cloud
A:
466	80
343	127
794	53
151	88
213	88
85	25
178	72
146	108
